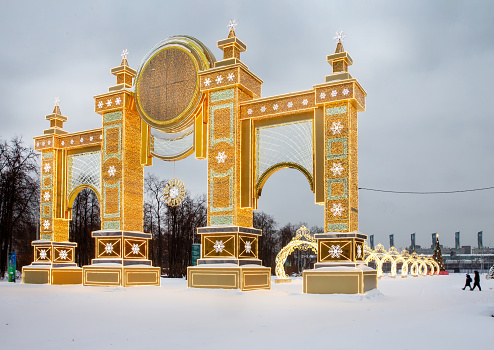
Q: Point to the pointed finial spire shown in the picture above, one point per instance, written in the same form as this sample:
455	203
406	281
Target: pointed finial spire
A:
231	26
56	109
124	55
340	37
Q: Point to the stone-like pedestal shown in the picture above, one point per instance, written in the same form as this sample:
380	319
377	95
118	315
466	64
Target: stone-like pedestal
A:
229	259
340	265
53	264
121	260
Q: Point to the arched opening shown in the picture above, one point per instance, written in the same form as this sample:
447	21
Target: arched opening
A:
85	219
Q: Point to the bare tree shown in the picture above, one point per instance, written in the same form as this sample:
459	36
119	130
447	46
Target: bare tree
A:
269	244
19	197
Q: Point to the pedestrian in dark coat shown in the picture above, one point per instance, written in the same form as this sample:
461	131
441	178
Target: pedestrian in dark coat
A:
476	281
467	282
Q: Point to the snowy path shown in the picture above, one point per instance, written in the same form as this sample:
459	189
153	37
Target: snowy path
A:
413	313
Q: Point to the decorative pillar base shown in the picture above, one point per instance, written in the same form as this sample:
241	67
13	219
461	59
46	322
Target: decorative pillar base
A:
340	267
53	264
229	260
121	260
340	279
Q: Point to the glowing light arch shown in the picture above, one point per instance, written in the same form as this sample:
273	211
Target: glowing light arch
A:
303	241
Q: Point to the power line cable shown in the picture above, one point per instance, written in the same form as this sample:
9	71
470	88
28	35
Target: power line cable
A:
427	192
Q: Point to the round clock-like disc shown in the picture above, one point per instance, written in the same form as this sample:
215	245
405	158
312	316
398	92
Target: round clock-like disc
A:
167	84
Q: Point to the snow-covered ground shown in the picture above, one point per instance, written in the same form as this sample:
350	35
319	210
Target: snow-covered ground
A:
412	313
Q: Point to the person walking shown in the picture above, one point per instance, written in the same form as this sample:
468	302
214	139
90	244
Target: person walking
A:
476	281
467	282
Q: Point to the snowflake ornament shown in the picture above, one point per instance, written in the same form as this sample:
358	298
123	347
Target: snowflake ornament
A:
322	95
43	143
124	54
336	128
108	248
46	196
305	101
218	246
49	142
42	254
248	246
335	251
230	77
72	142
37	145
275	107
100	104
219	79
101	137
263	109
108	103
81	140
249	111
337	169
289	104
57	101
334	93
63	254
232	25
135	248
90	138
63	143
207	81
340	36
359	252
47	167
112	170
345	92
117	101
221	157
337	209
46	224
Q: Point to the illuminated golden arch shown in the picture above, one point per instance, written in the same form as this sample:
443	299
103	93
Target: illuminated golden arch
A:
404	266
297	242
436	266
72	196
384	258
271	170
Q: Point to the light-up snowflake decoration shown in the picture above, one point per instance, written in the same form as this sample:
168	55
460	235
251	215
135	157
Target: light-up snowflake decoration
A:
218	246
340	36
111	170
345	91
46	196
359	251
334	93
135	248
221	157
124	54
81	140
90	138
336	169
248	246
322	95
174	192
42	254
57	101
249	111
337	209
305	101
230	77
275	107
108	248
232	25
72	141
117	101
108	103
335	251
263	109
289	104
219	79
46	224
336	128
47	167
100	104
207	81
63	254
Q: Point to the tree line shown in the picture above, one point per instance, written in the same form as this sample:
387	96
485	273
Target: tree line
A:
174	229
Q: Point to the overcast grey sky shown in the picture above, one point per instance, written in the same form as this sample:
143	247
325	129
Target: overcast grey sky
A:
427	67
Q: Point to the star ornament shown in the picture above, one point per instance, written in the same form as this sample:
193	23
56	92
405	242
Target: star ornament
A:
232	25
124	54
57	101
340	36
